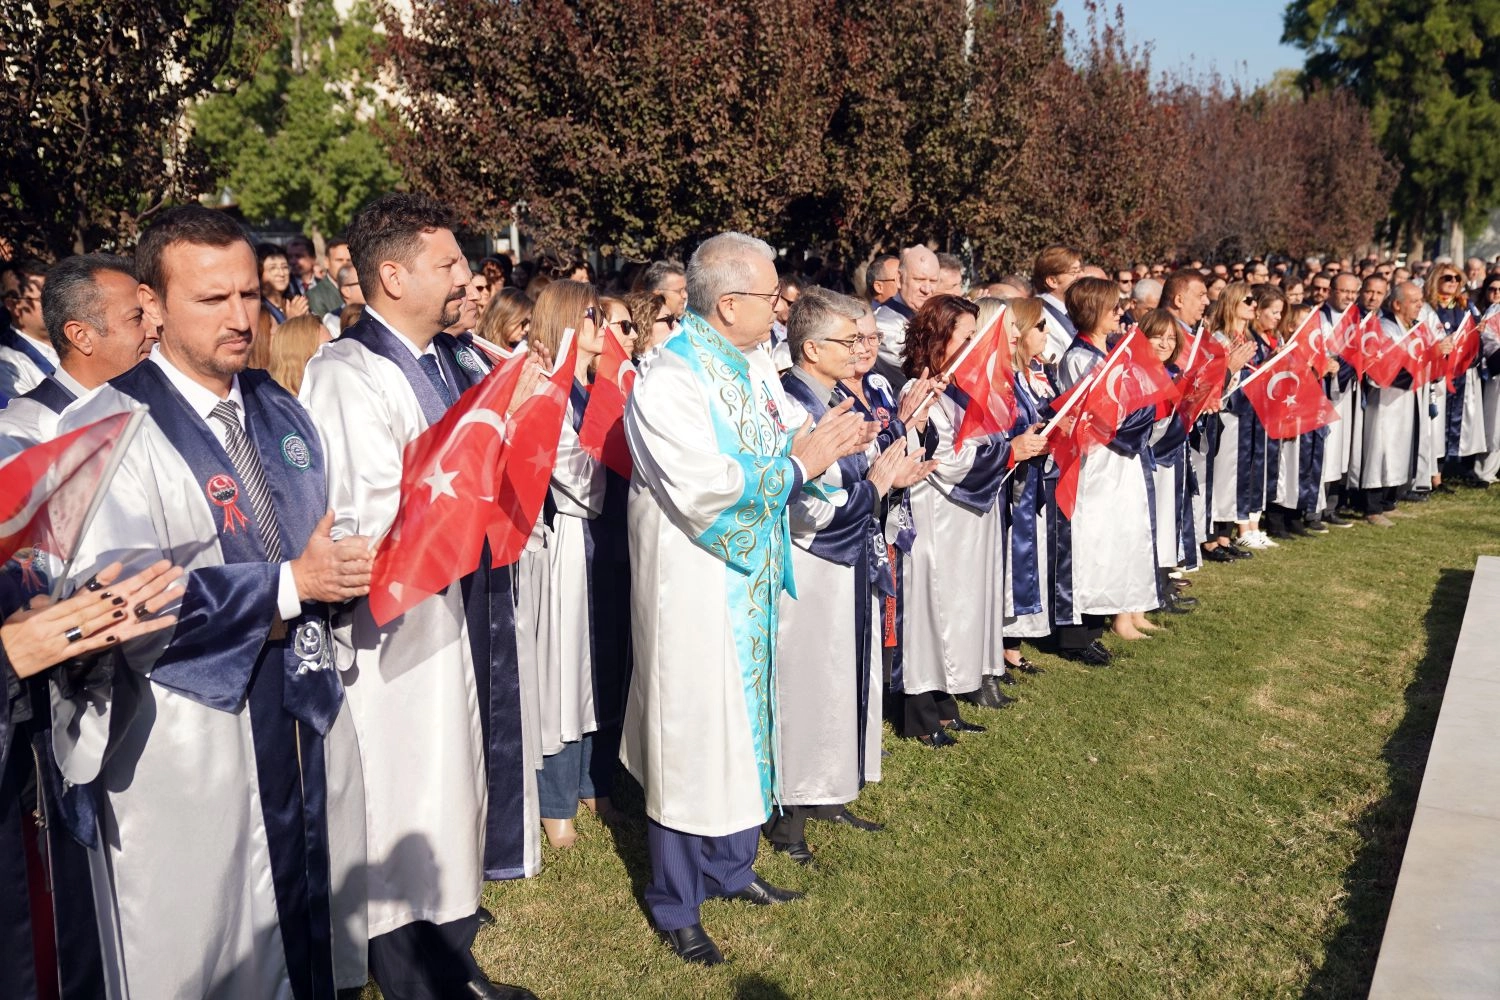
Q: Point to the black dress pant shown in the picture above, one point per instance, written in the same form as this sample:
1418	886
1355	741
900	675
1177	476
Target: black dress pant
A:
925	713
788	824
425	961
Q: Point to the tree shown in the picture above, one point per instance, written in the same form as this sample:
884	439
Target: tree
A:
298	140
1429	72
635	126
91	134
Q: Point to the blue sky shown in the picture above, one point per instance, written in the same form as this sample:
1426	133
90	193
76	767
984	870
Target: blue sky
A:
1242	41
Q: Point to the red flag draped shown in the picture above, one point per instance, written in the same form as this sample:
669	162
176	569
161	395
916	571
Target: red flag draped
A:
532	437
47	491
1465	350
1342	339
1202	380
985	374
1131	378
450	478
603	432
1288	399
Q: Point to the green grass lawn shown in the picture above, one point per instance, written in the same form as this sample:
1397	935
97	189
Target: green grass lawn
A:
1220	814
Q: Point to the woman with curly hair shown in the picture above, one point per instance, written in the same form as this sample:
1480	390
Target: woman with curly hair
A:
1459	430
954	571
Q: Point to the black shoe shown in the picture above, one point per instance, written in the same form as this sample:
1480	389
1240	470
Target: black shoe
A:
484	917
762	893
1295	526
1218	554
1093	655
1417	496
1235	552
1027	667
988	695
483	989
960	726
937	739
1184	602
848	819
1314	526
1278	532
692	944
1332	520
1006	678
798	852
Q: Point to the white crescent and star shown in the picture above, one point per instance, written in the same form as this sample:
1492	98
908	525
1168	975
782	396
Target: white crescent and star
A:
440	481
1275	380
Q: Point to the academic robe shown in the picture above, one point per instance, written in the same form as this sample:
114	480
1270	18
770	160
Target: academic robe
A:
827	694
710	434
1389	454
1028	576
1105	560
891	319
576	495
30	781
1343	441
204	742
954	574
1241	460
411	685
1170	488
1489	368
23	362
1462	418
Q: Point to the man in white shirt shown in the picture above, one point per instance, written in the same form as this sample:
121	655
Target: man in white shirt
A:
1056	268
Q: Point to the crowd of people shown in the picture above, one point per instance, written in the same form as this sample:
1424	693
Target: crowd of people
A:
225	775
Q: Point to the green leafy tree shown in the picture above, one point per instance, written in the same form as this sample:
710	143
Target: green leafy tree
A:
298	141
1429	71
91	135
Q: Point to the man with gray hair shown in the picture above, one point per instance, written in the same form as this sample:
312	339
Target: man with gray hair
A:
667	279
950	275
1145	296
720	453
95	324
918	273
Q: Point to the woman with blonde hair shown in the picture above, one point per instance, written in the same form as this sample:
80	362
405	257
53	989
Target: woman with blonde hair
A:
296	341
1239	447
578	692
507	319
1458	432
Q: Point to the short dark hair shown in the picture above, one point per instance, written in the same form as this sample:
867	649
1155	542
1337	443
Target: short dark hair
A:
72	293
265	251
391	228
1177	283
337	241
1089	302
185	224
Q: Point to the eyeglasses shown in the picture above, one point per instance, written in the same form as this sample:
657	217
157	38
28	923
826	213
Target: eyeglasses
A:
1492	290
1445	279
1249	300
848	345
872	340
591	314
627	328
771	297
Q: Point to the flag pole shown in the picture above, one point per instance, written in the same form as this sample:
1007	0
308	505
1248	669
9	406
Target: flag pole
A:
116	456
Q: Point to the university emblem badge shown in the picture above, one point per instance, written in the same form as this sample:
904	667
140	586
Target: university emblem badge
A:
295	452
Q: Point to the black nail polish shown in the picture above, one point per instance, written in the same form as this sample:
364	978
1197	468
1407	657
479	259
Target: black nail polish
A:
117	614
118	600
93	583
140	611
110	638
106	594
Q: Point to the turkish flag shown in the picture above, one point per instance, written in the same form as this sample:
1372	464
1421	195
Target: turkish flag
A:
1307	343
1365	345
985	374
48	490
1203	378
1131	378
1288	399
451	475
1465	350
1342	339
1384	358
532	437
602	434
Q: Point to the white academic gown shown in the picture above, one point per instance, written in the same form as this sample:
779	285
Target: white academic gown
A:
818	720
1114	551
25	422
183	888
410	685
953	579
567	673
27	373
1389	454
698	735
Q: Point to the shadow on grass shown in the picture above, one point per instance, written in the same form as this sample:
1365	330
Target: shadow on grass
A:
753	987
629	835
1370	882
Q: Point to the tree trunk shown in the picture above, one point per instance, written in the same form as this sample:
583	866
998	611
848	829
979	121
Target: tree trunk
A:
1456	242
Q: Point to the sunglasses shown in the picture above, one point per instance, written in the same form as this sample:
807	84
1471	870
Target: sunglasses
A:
625	326
1249	300
1447	278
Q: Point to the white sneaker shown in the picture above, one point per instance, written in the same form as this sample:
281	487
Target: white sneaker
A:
1256	540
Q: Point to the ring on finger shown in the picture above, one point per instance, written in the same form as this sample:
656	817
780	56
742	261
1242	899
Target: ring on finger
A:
74	634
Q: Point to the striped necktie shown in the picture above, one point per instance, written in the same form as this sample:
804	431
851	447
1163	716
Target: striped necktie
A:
252	477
